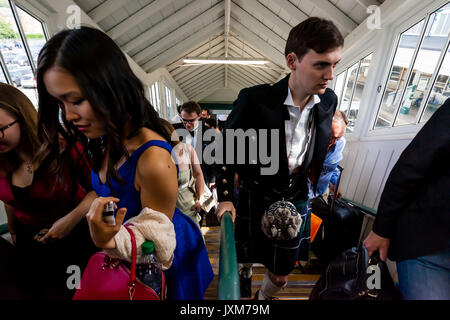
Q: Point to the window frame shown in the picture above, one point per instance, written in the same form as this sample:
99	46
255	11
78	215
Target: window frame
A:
42	19
343	67
383	82
155	98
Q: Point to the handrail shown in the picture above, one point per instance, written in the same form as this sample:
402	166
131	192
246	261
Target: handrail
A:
3	228
229	285
368	210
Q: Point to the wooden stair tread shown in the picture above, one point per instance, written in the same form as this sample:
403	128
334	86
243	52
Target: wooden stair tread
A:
299	285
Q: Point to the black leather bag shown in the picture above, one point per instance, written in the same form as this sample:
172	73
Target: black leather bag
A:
347	278
340	228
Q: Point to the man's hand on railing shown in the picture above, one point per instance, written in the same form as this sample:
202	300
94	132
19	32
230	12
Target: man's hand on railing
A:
223	207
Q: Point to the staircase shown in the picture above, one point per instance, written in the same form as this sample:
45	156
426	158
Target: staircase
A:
300	284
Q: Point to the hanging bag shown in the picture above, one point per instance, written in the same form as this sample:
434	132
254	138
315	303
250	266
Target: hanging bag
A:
109	279
207	198
349	277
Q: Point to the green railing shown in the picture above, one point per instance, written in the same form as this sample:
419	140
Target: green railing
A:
368	210
229	286
3	228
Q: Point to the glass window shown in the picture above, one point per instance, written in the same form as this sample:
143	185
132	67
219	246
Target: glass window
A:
14	54
358	91
440	91
154	97
34	33
352	73
168	96
422	72
2	76
339	85
394	87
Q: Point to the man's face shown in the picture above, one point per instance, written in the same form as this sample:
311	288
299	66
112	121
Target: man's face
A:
313	72
337	132
204	114
190	120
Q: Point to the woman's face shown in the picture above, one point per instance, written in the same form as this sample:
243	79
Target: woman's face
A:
63	87
10	134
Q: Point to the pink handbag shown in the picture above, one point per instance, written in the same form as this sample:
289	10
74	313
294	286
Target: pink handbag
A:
109	279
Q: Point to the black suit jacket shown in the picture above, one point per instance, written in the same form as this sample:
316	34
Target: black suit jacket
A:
414	208
262	107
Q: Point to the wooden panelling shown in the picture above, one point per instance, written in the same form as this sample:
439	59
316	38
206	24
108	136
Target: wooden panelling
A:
366	168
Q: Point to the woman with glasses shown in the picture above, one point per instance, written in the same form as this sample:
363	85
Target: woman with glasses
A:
84	76
43	207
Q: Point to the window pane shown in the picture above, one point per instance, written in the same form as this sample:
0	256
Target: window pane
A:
349	84
356	100
14	54
395	85
34	32
2	76
441	89
168	102
339	85
157	98
424	66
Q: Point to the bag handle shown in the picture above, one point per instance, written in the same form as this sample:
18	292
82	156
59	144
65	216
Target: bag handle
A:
336	188
133	256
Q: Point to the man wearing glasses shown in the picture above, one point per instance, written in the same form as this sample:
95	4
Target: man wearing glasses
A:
190	113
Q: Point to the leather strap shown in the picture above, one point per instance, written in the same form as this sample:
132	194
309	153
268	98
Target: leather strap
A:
133	256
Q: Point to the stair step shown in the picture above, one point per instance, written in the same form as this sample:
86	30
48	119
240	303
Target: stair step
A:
299	286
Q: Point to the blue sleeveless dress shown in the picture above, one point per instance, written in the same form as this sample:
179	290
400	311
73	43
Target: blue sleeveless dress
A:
191	272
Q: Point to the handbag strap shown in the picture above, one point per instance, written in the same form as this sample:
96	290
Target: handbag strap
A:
336	187
133	255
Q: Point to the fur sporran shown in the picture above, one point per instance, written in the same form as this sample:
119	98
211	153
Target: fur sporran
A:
281	221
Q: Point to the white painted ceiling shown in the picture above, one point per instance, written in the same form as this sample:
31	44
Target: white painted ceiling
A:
160	33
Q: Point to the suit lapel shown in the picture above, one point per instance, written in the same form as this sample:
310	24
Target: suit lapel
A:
277	97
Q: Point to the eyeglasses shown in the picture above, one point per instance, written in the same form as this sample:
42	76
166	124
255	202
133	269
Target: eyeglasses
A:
6	127
189	120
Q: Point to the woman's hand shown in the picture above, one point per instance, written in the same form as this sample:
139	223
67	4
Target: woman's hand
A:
101	232
197	207
59	230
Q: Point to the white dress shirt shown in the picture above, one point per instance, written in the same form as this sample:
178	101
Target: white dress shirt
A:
193	140
297	130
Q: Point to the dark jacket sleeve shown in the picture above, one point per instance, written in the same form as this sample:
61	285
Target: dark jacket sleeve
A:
225	172
410	173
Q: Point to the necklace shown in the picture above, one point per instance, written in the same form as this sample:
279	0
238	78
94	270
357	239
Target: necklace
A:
29	166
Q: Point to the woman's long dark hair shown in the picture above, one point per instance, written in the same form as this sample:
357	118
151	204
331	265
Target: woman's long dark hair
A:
106	80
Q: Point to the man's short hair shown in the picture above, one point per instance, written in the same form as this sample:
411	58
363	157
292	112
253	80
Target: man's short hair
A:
191	106
340	116
211	123
314	33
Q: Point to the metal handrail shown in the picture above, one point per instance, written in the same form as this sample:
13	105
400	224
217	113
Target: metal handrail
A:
229	285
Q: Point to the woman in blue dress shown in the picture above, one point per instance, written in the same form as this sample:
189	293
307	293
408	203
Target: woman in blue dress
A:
89	94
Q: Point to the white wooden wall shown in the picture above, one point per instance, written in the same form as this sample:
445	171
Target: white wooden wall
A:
366	167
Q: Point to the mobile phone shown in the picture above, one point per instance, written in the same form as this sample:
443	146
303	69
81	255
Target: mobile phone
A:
108	213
